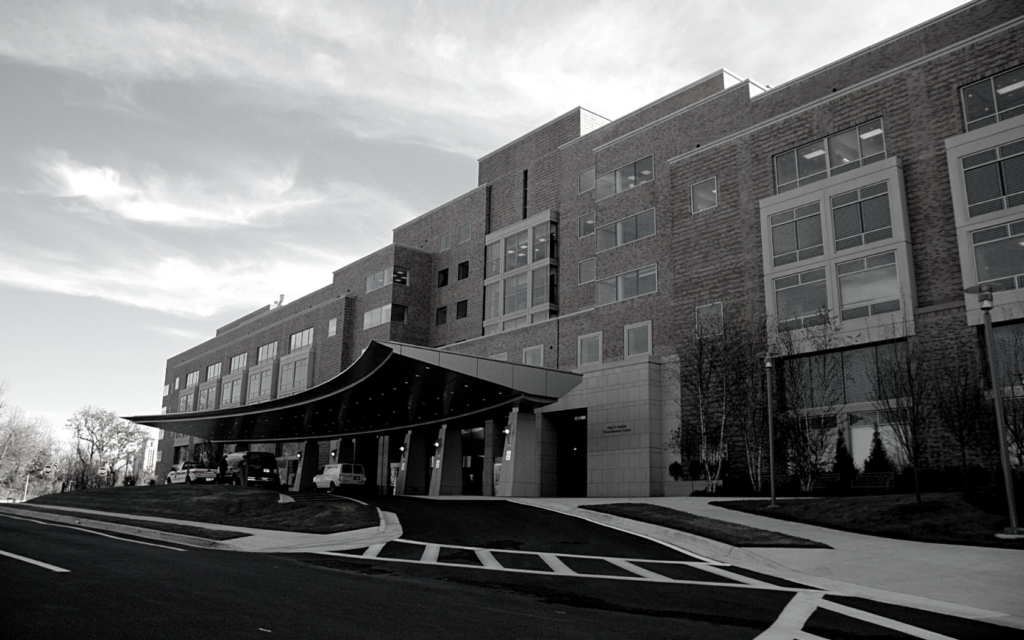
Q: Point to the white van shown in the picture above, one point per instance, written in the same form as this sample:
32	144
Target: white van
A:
336	476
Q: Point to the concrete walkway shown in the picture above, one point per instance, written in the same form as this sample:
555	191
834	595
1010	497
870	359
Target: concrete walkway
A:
971	582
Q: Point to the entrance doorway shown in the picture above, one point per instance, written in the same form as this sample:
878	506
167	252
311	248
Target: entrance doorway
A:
473	461
571	466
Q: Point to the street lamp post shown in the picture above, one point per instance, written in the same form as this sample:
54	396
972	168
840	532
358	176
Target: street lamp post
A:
984	293
769	365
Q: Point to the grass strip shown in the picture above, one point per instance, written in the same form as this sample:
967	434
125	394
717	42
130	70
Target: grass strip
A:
221	504
736	535
197	532
942	517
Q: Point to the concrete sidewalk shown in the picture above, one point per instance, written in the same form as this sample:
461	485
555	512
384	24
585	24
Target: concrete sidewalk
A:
972	582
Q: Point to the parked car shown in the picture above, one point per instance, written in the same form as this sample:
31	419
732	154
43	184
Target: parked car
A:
334	477
261	469
189	472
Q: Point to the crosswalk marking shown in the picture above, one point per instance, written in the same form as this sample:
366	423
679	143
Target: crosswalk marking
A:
556	565
430	553
640	571
486	558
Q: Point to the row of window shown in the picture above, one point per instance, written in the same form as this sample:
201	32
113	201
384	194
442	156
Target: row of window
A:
384	277
382	315
994	178
830	156
462	273
461	311
636	342
444	241
517	249
994	99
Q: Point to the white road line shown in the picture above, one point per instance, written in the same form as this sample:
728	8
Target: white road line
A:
888	623
35	562
373	550
430	553
556	565
487	559
95	533
791	620
640	571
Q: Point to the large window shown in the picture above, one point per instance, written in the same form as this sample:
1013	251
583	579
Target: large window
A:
382	315
626	230
185	402
588	270
638	339
625	178
586	224
294	375
266	352
207	399
994	178
801	299
492	301
587	179
517	250
492	260
999	255
384	277
233	391
259	385
238	362
534	356
862	216
192	379
796	234
820	159
213	371
515	292
543	284
994	99
869	286
704	195
301	340
627	285
543	241
589	348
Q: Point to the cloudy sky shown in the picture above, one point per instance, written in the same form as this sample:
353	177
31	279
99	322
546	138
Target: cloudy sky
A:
169	166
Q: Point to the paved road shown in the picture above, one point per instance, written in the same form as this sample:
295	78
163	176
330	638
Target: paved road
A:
116	586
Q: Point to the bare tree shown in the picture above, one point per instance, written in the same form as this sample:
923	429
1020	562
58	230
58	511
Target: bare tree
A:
1009	347
959	400
27	445
747	339
101	439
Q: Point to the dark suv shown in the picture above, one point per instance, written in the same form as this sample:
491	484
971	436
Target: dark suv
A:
261	468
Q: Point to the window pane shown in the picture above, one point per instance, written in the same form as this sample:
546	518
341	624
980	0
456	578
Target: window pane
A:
461	309
784	239
843	148
801	301
398	313
872	139
705	195
540	242
1013	175
875	213
442	315
510	253
587	180
533	357
492	301
785	167
540	285
586	224
626	230
606	238
847	221
375	317
647	280
645	224
638	340
465	231
999	259
627	285
983	183
808	231
605	186
522	247
446	240
811	159
1010	89
873	285
590	350
645	170
588	271
625	178
493	259
978	100
606	291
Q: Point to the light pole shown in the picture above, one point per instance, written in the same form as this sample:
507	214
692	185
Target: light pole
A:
984	293
769	365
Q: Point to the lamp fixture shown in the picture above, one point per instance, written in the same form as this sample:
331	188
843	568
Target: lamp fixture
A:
814	154
870	134
1010	87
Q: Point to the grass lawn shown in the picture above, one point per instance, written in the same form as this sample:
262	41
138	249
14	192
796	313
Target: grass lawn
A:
942	517
736	535
220	504
198	532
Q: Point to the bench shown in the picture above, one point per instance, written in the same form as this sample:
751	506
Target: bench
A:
824	480
875	480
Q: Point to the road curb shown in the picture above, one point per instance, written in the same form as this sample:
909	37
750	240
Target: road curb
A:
139	532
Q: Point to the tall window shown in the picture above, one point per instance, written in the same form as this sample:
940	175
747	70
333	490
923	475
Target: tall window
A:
994	99
627	285
185	403
441	316
820	159
625	178
541	244
444	241
266	352
192	379
301	340
587	179
213	371
463	271
465	232
517	250
586	224
801	299
999	255
994	178
515	292
294	375
332	327
238	362
796	234
543	280
461	309
442	278
208	399
492	260
492	301
588	270
233	391
626	230
862	216
259	385
869	286
704	195
589	348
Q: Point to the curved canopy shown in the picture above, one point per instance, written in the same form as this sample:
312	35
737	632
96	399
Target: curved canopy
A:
391	386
